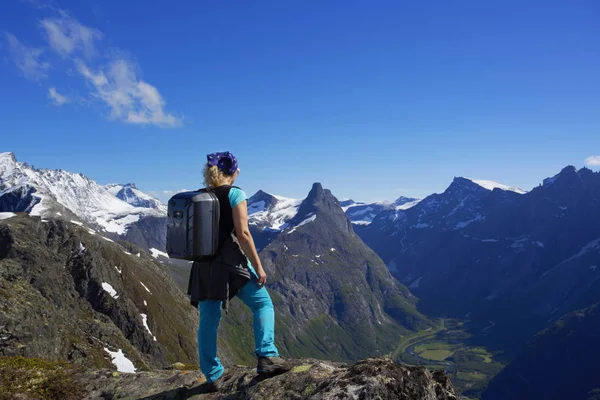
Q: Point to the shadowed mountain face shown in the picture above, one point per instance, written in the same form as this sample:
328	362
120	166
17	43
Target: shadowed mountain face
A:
510	261
559	363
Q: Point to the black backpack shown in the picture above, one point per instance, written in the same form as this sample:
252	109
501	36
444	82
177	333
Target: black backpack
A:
193	225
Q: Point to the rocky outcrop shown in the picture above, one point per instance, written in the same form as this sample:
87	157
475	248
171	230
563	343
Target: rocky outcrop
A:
68	293
375	378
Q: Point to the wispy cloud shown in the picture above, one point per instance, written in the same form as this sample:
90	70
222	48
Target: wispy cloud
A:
29	60
111	78
67	36
593	161
57	98
130	99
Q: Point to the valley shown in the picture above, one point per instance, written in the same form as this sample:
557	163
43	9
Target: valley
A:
449	347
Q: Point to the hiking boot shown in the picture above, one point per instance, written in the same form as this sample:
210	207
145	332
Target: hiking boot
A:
214	386
272	365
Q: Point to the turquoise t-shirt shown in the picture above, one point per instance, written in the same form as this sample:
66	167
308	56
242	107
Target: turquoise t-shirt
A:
236	196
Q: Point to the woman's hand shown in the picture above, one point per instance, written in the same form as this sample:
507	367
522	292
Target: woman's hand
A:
262	276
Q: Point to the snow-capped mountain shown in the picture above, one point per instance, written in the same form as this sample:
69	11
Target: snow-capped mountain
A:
131	194
363	213
47	192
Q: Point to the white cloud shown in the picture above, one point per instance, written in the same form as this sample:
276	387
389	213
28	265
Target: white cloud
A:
130	99
593	161
57	98
110	77
27	59
67	35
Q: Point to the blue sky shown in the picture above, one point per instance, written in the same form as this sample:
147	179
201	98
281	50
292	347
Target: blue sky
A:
374	99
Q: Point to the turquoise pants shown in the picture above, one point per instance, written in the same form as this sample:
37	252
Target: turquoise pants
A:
258	300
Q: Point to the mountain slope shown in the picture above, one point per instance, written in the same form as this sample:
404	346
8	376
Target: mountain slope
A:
68	293
560	363
334	297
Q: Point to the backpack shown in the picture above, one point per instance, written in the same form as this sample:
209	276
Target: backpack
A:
193	225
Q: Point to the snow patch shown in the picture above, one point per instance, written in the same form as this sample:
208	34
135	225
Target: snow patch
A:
306	221
122	363
332	249
491	185
76	223
539	244
107	239
408	205
110	290
81	248
415	284
464	224
259	206
274	219
146	287
145	303
118	270
156	253
6	215
421	225
145	322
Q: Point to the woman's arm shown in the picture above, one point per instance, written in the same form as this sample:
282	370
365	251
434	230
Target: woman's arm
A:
242	231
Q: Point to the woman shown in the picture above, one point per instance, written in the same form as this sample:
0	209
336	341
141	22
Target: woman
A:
220	174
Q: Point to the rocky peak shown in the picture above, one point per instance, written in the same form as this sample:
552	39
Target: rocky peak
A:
373	378
7	162
569	173
464	186
261	200
320	203
8	156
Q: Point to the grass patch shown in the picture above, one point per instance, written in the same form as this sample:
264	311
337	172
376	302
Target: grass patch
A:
435	346
38	378
483	353
470	376
436	355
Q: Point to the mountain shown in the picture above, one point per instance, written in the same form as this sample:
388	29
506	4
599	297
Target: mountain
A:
130	194
334	297
69	293
364	213
559	363
515	260
126	212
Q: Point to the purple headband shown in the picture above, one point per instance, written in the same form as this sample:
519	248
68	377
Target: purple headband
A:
225	161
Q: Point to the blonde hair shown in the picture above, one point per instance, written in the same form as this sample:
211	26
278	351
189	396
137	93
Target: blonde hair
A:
213	177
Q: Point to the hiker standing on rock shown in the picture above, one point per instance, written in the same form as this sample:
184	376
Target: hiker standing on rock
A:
232	273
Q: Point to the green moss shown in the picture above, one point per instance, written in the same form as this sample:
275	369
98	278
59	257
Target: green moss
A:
309	390
301	368
38	378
